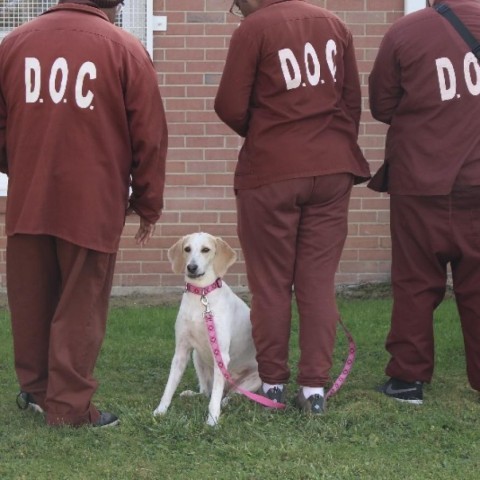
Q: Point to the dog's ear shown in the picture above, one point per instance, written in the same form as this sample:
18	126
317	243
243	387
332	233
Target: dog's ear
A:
225	257
175	255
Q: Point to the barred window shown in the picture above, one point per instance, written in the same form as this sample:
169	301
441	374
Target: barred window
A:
134	16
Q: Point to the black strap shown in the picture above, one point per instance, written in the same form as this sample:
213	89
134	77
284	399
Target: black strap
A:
464	32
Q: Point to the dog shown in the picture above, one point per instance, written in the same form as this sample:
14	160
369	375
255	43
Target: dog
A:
203	259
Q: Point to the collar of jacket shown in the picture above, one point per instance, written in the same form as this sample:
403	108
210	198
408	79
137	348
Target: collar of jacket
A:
80	6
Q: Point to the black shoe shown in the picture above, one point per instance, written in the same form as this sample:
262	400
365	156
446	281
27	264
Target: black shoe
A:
314	404
408	392
25	401
274	394
105	420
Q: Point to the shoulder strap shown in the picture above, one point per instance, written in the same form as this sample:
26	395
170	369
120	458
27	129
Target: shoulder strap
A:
459	26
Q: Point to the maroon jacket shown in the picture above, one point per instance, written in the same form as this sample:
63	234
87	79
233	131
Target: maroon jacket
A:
425	84
80	113
290	87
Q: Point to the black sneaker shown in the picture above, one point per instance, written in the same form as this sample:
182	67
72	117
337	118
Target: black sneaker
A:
105	420
275	394
314	404
408	392
25	401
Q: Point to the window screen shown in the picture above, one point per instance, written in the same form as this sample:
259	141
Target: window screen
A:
15	12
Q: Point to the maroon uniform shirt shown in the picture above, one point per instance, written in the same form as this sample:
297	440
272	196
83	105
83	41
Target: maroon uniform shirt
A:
80	113
425	84
290	86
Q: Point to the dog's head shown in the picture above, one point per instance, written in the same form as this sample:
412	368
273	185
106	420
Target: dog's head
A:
201	255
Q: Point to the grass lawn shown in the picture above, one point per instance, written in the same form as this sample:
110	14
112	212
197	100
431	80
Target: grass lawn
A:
364	435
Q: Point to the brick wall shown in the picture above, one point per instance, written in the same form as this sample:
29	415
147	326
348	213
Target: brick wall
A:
189	58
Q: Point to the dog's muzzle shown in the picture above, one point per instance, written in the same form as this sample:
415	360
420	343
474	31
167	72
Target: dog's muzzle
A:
192	269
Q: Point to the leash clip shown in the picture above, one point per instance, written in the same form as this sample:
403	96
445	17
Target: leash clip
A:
205	303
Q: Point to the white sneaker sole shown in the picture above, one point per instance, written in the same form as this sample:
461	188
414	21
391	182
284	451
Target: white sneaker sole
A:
33	407
411	402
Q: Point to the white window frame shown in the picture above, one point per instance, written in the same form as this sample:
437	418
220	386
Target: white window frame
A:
136	17
414	5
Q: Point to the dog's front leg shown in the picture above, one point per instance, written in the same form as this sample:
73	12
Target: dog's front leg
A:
179	363
217	392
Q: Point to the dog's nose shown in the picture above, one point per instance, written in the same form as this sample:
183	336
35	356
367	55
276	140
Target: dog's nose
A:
192	267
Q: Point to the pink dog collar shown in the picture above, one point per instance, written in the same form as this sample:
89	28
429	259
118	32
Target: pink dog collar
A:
202	291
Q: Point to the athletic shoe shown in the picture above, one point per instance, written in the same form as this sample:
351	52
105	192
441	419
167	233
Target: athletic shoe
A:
313	405
408	392
105	420
274	394
25	401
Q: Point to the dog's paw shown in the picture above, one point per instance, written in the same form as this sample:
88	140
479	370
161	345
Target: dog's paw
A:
189	393
160	410
212	421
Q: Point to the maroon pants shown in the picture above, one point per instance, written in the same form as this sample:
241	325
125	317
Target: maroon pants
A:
292	234
427	234
58	296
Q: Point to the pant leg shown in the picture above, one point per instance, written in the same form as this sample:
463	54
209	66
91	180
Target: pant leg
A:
33	286
466	275
267	218
321	237
421	248
77	332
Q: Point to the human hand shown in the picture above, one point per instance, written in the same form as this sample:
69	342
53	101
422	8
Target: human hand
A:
145	232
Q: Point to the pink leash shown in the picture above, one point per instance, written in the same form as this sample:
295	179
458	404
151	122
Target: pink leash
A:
212	335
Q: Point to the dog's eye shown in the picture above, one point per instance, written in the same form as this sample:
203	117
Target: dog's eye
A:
205	250
188	249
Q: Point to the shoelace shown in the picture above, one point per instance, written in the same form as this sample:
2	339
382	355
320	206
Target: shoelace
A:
276	394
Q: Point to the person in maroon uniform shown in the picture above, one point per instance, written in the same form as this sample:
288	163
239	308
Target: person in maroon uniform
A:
425	85
290	87
81	121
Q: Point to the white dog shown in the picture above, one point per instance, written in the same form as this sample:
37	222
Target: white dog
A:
203	259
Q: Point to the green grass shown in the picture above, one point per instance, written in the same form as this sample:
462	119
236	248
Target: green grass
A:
363	436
